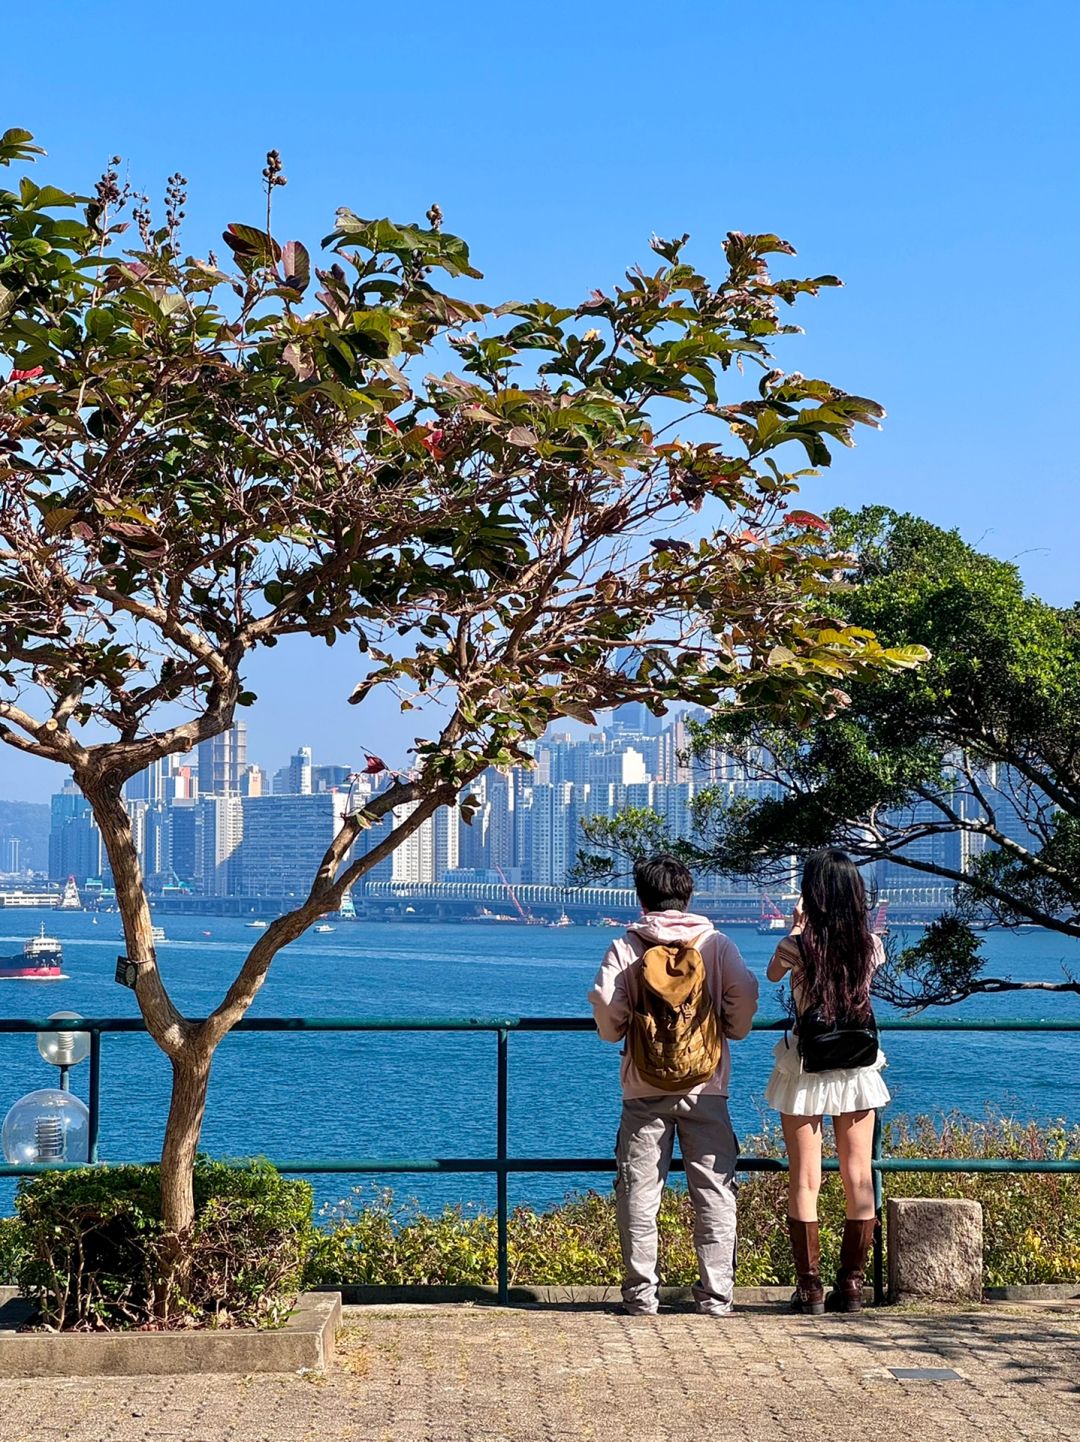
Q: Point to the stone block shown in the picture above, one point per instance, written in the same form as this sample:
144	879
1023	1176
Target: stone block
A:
935	1249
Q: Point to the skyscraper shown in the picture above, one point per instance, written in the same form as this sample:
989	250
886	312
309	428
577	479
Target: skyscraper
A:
221	761
285	839
75	845
219	832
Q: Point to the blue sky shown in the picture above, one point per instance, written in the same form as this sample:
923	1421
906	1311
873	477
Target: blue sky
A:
924	152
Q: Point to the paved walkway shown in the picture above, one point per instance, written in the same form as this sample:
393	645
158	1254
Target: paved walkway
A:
482	1374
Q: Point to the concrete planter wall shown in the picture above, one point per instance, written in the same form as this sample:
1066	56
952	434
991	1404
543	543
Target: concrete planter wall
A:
305	1342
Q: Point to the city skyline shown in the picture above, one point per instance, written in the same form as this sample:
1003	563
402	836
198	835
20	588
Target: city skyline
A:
261	836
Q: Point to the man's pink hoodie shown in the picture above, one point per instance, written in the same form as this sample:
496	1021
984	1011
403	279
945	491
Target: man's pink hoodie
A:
733	989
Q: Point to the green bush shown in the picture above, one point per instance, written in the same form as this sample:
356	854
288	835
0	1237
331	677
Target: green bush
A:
87	1246
1032	1221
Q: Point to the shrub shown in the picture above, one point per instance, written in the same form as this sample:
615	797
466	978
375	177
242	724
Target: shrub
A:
88	1247
1032	1221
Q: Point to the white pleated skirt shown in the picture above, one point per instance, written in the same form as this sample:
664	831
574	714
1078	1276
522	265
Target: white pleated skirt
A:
801	1093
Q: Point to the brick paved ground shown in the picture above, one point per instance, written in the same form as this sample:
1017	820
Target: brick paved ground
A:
487	1375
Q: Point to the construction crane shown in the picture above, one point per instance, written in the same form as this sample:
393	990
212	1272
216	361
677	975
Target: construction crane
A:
526	916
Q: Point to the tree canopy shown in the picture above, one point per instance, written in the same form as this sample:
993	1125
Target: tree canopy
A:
201	456
966	768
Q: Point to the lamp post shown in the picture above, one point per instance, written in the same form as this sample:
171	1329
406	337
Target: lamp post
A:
46	1126
64	1049
51	1125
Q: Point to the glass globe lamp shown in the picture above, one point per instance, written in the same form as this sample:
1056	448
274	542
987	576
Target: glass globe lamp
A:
64	1048
46	1126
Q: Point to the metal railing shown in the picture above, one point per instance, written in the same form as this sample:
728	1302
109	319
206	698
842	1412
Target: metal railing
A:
502	1165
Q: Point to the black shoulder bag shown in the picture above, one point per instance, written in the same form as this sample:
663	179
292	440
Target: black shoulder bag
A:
841	1044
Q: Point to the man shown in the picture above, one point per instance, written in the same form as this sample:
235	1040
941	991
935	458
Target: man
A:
676	991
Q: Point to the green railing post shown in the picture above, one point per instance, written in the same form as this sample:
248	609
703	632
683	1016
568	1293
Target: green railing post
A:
503	1093
95	1094
879	1250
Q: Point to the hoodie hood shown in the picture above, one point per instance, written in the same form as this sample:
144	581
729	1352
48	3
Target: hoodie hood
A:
667	927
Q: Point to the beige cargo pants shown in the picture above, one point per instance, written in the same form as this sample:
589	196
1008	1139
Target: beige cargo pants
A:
643	1151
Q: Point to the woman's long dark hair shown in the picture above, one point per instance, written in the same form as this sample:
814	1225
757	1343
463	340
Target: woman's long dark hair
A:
837	946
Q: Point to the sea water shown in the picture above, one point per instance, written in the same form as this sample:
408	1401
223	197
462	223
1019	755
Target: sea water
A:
322	1095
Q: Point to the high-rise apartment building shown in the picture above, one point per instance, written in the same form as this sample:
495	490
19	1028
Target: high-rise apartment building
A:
222	760
182	861
285	838
253	781
295	779
553	831
673	766
330	778
219	832
75	845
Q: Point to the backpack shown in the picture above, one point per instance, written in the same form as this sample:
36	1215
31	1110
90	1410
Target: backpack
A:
673	1036
838	1045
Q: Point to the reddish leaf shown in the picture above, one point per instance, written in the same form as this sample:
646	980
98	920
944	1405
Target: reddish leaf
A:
808	521
296	263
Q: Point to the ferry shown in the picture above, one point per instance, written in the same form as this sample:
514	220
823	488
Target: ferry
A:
40	960
71	900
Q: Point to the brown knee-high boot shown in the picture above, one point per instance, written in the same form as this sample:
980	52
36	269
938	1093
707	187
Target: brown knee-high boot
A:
846	1295
809	1295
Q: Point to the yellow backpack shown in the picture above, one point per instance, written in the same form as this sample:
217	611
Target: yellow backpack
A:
673	1036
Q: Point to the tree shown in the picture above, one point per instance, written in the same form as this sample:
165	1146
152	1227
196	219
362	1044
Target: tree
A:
196	461
966	768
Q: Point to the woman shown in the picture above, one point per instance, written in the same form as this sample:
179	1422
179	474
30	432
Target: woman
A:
831	957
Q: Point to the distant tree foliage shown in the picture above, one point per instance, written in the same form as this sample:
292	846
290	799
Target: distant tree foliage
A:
980	746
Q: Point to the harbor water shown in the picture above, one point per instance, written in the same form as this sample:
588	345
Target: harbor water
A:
323	1095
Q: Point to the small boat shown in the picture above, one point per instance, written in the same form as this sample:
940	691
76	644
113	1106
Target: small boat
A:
561	920
258	925
324	928
208	933
157	933
772	918
40	960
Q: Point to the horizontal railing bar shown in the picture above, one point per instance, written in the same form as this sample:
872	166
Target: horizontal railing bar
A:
347	1166
487	1024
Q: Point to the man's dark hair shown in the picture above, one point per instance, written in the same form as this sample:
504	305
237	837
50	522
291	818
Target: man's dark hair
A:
663	883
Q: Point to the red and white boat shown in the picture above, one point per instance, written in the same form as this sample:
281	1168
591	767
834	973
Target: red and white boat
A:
40	960
772	918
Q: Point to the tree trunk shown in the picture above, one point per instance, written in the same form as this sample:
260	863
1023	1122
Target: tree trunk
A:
191	1078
